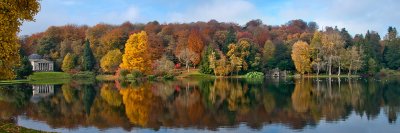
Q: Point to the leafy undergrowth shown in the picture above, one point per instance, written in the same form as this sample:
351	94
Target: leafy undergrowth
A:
192	73
106	77
254	75
12	128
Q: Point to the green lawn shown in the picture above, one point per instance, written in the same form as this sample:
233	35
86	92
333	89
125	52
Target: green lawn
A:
49	78
49	75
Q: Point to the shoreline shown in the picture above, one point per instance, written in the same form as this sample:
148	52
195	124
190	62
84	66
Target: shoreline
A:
7	127
61	77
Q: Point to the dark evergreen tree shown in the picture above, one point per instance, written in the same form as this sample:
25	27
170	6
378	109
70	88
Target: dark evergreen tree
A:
254	59
230	38
392	34
46	45
358	40
25	69
205	63
392	49
348	40
88	58
282	58
372	49
312	26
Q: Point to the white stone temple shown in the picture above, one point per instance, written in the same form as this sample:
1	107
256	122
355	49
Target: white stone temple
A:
40	64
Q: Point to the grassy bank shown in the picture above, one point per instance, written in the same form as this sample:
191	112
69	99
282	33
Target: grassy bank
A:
327	76
12	128
41	78
193	73
106	77
5	82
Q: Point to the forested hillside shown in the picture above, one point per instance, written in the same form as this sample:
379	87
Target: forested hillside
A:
215	48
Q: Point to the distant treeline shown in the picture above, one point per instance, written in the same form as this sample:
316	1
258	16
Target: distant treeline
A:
217	48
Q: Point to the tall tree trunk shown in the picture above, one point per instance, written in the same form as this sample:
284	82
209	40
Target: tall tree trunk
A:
318	65
330	65
187	65
348	74
339	69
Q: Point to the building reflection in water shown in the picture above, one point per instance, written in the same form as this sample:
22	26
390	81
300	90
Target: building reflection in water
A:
41	91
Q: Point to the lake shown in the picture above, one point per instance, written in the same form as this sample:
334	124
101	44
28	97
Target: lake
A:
193	105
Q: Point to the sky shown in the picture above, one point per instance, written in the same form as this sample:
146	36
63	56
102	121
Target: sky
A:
357	16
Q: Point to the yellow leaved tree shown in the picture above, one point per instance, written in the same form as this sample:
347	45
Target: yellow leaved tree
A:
301	57
13	13
68	63
136	56
109	63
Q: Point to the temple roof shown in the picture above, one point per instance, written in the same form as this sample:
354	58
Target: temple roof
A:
35	56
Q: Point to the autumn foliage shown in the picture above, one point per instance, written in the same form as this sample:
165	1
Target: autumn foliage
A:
196	45
13	13
238	49
111	61
136	55
301	57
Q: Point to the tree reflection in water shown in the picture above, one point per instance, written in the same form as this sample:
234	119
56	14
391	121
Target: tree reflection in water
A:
204	104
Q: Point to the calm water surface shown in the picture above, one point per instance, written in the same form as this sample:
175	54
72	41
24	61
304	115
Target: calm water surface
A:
220	105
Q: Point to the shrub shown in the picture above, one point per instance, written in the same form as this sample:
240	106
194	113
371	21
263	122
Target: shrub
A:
163	66
254	75
168	77
387	72
84	75
151	77
122	73
136	74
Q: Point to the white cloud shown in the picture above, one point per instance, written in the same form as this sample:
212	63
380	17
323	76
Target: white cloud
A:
116	17
354	15
55	13
238	11
131	14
